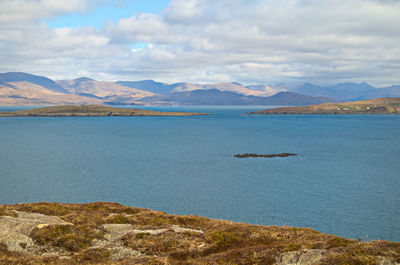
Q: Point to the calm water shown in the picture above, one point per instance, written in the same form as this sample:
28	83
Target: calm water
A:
345	181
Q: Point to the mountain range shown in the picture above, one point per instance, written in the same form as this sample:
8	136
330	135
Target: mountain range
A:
26	89
349	91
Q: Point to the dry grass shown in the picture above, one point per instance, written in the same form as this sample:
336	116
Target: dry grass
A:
223	242
69	237
6	210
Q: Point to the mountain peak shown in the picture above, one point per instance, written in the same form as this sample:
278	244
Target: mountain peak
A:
83	79
35	79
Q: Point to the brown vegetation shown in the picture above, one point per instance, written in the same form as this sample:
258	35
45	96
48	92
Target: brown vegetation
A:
200	241
90	110
373	106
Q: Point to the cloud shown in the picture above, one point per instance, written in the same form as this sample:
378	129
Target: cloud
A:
253	41
23	11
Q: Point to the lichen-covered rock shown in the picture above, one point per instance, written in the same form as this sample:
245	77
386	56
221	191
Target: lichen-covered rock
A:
15	231
300	257
110	233
386	261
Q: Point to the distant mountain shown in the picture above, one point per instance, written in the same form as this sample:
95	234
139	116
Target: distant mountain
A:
108	91
27	93
45	82
266	90
349	91
216	97
390	91
255	90
148	85
201	97
293	99
26	89
165	89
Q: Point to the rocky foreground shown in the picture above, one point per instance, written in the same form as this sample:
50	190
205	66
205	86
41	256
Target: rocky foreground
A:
110	233
373	106
90	110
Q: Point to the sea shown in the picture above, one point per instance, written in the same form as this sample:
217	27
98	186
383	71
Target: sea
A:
345	179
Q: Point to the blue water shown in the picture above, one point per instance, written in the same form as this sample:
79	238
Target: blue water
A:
345	181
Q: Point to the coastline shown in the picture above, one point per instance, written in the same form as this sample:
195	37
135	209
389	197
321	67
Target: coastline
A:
111	233
91	111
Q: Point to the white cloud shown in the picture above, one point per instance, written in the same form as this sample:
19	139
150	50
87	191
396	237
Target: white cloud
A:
23	11
205	41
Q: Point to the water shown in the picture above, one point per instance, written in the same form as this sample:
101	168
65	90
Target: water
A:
345	180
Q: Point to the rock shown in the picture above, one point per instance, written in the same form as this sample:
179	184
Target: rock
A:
179	229
116	231
266	155
385	261
300	257
120	253
14	231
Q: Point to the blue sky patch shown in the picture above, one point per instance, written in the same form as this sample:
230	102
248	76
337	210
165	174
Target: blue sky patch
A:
109	11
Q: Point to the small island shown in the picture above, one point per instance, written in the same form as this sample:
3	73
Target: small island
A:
373	106
90	111
111	233
264	155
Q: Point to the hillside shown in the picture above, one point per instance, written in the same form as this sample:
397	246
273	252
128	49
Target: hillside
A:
90	110
349	91
107	91
110	233
27	89
42	81
213	97
373	106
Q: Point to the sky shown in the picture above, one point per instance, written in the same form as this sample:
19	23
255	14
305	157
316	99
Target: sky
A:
204	41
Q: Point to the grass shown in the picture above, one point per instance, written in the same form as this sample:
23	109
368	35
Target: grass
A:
6	210
223	242
69	237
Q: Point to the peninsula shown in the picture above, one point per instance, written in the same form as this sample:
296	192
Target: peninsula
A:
373	106
110	233
90	110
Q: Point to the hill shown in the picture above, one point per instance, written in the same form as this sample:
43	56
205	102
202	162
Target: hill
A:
26	89
214	97
107	91
89	110
110	233
148	85
373	106
45	82
349	91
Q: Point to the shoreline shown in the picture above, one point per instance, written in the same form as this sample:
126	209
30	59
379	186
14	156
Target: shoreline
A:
111	233
91	111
